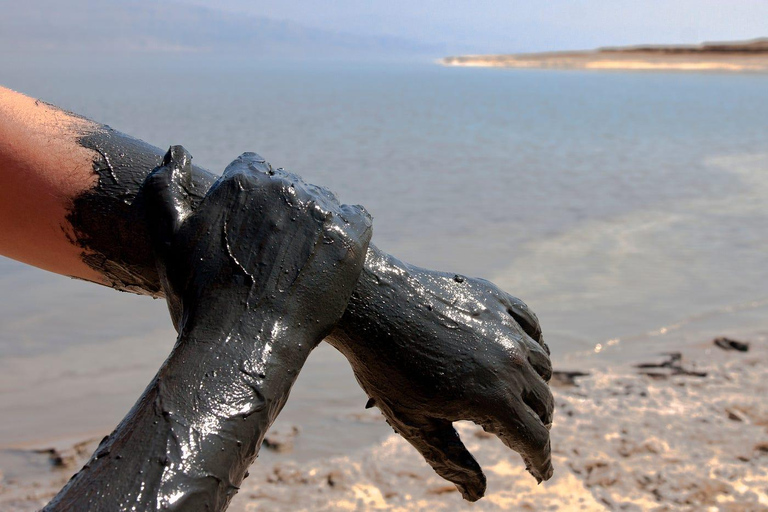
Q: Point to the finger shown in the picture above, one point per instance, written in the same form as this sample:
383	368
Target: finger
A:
525	318
167	203
244	177
538	358
520	427
440	445
356	229
166	193
249	161
538	397
298	222
325	205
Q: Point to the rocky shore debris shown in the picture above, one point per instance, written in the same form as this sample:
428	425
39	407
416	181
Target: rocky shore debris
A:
566	378
281	441
69	457
620	441
672	365
730	344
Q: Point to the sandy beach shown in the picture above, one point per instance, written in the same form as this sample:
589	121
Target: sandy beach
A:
725	57
687	432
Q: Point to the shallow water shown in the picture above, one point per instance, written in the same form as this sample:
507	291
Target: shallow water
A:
627	209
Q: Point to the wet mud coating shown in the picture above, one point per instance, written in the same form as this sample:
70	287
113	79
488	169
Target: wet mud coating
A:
461	350
255	277
109	221
428	347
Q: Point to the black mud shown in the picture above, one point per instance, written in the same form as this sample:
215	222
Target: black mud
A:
428	347
255	278
109	223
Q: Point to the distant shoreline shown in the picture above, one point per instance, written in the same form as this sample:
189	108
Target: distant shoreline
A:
730	57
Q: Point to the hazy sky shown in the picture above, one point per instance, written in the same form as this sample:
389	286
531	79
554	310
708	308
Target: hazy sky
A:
417	28
514	25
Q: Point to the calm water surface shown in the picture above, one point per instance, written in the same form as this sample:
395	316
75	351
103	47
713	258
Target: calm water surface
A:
627	209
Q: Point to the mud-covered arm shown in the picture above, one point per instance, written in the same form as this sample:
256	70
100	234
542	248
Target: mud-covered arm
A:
255	278
93	226
430	348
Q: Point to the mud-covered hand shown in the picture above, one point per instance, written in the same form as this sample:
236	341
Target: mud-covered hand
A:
430	348
255	276
261	240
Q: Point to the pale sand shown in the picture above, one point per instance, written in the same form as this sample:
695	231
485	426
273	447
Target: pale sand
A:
621	441
629	63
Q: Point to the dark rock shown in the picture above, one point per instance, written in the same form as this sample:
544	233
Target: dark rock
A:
729	344
281	441
566	378
672	365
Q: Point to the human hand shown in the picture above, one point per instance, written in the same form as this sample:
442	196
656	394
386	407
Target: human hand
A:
261	239
430	348
255	276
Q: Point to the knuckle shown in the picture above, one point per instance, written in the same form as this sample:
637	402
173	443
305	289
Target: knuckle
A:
322	214
540	362
322	194
518	356
360	215
238	180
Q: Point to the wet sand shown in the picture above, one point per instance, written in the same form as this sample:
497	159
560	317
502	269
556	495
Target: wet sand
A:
685	435
732	57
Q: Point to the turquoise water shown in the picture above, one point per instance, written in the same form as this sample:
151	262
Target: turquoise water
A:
627	209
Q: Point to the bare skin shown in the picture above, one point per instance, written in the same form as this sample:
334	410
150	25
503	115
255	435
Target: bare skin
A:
402	323
38	186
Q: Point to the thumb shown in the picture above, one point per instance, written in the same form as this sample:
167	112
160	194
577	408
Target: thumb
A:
166	196
440	445
166	205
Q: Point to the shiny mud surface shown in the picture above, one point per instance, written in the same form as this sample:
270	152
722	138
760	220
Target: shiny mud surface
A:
627	210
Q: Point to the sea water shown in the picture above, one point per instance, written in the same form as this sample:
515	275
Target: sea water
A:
628	209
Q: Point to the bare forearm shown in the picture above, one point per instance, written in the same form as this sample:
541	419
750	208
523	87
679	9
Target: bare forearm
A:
42	168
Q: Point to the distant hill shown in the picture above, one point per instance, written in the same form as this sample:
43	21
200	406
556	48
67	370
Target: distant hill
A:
152	26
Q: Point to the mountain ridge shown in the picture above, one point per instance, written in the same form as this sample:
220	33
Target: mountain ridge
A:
137	26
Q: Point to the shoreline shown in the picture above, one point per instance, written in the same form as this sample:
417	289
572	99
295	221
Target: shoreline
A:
744	57
623	435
